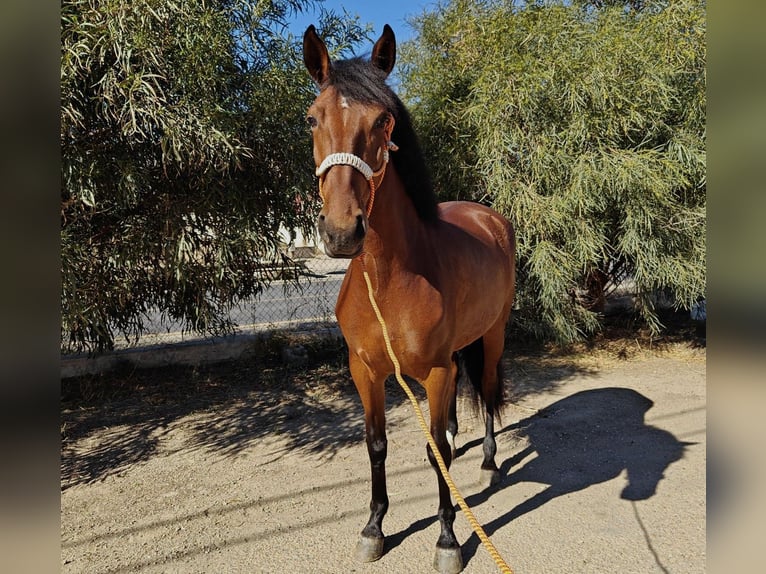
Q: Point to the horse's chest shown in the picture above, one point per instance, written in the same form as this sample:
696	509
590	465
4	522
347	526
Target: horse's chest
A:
414	317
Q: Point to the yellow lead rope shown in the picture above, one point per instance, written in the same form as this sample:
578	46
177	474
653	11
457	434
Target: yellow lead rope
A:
424	426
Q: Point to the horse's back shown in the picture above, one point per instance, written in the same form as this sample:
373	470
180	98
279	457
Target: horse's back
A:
484	224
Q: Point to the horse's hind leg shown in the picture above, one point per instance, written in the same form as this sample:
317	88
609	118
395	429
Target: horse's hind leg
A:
470	366
490	475
440	389
372	393
452	426
492	396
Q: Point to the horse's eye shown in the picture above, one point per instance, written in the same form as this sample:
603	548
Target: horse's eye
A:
381	122
311	121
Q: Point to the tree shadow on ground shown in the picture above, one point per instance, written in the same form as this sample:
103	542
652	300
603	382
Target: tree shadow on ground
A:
579	441
113	421
118	419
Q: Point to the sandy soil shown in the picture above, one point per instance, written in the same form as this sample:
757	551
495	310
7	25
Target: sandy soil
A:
261	467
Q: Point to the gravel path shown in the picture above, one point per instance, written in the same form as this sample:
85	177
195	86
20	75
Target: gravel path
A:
603	465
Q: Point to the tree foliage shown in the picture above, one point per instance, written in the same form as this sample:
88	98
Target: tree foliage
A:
183	151
585	124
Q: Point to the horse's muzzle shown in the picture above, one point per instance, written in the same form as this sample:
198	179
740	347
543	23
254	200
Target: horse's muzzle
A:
344	241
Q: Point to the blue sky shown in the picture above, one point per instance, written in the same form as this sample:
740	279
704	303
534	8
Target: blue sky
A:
377	13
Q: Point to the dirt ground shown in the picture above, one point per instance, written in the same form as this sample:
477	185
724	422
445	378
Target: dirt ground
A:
260	466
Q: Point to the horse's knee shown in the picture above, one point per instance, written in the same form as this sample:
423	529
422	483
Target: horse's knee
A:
445	452
378	450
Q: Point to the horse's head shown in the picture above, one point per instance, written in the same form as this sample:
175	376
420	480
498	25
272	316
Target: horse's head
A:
351	123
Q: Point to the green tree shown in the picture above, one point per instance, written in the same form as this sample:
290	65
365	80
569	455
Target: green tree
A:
183	150
585	124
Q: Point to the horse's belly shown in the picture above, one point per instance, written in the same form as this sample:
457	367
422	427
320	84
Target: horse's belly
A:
472	324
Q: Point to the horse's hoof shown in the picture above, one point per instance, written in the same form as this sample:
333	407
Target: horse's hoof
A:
448	560
489	477
368	549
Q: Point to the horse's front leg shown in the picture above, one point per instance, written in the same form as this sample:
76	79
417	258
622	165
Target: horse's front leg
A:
372	392
440	390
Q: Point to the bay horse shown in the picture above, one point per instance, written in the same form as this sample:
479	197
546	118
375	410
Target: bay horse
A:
443	274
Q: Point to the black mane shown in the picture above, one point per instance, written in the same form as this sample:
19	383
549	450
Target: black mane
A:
358	80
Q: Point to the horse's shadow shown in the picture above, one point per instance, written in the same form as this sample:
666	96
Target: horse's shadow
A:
584	439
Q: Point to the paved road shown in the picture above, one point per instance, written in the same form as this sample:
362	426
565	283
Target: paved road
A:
280	303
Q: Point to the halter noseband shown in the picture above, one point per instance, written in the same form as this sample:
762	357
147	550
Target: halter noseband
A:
345	158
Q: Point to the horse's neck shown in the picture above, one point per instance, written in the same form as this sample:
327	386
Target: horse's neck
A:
395	230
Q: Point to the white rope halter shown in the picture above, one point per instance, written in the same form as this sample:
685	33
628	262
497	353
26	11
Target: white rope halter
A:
345	158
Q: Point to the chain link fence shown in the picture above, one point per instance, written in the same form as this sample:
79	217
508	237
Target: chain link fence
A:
285	303
304	299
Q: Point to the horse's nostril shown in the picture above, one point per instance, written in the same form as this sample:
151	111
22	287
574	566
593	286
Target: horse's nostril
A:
321	217
360	229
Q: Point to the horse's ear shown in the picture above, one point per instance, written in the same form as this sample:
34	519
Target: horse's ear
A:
315	56
384	51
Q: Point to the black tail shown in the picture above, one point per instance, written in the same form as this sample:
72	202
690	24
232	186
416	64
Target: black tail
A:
470	367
